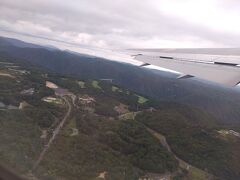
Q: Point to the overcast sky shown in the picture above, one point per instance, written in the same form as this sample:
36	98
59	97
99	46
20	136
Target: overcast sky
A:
125	23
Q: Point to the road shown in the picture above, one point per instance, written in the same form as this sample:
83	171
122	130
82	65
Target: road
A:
164	143
55	133
183	164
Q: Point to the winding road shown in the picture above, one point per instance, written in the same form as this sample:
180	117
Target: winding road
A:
183	164
164	143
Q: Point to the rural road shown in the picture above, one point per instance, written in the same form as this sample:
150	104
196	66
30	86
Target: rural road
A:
164	143
183	164
55	133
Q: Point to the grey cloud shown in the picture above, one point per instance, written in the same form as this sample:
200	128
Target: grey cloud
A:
117	24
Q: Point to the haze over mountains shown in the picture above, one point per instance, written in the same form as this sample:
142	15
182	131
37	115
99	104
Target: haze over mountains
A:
222	102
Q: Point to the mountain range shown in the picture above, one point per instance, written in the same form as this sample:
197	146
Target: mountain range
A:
222	102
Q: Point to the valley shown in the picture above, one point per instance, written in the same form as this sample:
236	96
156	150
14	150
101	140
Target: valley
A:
70	128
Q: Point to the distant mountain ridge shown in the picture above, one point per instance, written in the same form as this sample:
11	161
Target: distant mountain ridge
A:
21	44
223	103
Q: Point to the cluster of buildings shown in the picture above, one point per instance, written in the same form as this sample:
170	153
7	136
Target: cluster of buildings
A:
85	100
234	133
229	132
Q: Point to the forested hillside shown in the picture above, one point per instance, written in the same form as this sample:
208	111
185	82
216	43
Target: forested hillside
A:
55	126
221	102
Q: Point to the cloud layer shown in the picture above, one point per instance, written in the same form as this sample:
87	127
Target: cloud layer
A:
125	23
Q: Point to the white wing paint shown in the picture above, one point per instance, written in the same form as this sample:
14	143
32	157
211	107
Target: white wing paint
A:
217	68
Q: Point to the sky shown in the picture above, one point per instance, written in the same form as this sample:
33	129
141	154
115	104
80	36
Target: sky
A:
108	24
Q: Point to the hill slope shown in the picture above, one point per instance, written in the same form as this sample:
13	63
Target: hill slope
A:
223	103
88	129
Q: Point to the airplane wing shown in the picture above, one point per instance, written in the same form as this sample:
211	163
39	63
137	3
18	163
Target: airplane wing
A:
217	68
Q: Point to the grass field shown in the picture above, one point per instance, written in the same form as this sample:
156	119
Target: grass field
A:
81	84
115	89
197	174
95	84
130	115
141	99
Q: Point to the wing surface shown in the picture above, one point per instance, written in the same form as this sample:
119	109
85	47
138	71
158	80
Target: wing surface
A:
217	68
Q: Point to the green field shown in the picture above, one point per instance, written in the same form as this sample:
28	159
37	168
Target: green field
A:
81	84
95	84
197	174
141	99
128	116
115	88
